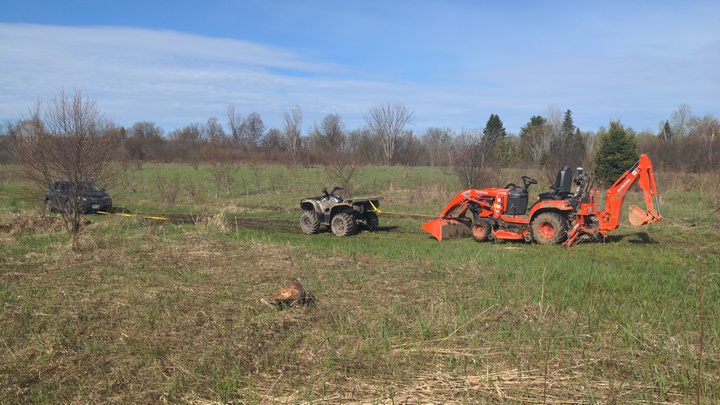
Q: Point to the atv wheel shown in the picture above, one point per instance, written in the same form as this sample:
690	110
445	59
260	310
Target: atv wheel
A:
549	228
481	230
309	222
370	221
343	225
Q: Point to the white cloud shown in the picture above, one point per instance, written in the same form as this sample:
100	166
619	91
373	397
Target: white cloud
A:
168	77
175	78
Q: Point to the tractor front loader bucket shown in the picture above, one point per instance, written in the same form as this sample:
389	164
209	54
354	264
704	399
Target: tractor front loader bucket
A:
638	217
448	228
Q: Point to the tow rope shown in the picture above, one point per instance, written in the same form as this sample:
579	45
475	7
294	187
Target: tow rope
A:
157	218
377	211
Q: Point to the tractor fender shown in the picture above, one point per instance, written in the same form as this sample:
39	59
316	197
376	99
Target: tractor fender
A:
552	205
562	207
564	213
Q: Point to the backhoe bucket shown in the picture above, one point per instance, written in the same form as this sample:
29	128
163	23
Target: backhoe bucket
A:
638	217
448	228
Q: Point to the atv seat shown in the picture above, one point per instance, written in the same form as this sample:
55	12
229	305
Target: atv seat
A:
562	188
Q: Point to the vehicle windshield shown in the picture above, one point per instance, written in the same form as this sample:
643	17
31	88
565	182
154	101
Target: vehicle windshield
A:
89	186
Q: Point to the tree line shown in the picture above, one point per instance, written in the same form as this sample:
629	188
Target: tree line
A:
683	142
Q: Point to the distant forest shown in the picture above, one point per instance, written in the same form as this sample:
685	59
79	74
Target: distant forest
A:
682	142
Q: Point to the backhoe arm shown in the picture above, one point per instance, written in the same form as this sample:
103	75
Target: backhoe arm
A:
642	172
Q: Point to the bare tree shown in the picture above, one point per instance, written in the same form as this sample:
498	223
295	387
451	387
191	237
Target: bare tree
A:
214	131
329	136
252	130
680	119
554	117
235	121
704	132
144	141
70	140
469	159
293	123
189	141
386	122
273	141
438	142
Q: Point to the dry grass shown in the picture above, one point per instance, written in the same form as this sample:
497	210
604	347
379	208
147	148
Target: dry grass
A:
169	312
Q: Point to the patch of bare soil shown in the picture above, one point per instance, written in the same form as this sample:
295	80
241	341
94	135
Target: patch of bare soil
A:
235	222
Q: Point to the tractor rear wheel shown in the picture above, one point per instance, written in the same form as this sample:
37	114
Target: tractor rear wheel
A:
343	225
481	230
309	222
549	228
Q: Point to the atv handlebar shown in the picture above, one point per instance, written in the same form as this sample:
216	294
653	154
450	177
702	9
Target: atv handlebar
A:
325	192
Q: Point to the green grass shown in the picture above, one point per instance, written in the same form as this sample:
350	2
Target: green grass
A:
151	311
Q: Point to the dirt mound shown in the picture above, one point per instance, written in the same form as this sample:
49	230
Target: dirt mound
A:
32	222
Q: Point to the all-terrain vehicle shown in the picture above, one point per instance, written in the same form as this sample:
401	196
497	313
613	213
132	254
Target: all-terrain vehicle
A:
343	217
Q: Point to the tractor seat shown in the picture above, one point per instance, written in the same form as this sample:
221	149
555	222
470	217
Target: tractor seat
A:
562	188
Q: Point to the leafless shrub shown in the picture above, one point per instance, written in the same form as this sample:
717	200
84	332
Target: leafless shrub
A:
168	189
257	173
224	176
196	193
69	139
341	169
278	180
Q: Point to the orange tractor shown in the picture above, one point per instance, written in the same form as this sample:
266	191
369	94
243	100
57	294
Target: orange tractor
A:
564	215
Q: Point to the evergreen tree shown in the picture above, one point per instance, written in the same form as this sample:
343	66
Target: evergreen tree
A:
666	133
535	138
568	127
493	131
616	153
494	139
568	147
535	121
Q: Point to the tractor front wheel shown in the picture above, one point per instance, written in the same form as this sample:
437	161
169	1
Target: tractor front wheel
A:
309	222
481	230
343	225
549	228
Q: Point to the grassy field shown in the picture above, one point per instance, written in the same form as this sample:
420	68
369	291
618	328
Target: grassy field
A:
150	311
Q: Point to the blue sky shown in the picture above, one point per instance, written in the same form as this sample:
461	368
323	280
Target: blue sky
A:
453	63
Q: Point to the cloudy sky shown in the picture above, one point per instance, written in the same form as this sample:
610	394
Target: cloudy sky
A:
453	62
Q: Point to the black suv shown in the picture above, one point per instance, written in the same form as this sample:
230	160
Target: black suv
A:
92	199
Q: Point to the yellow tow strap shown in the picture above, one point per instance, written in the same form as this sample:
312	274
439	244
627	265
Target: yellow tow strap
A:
135	215
377	210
